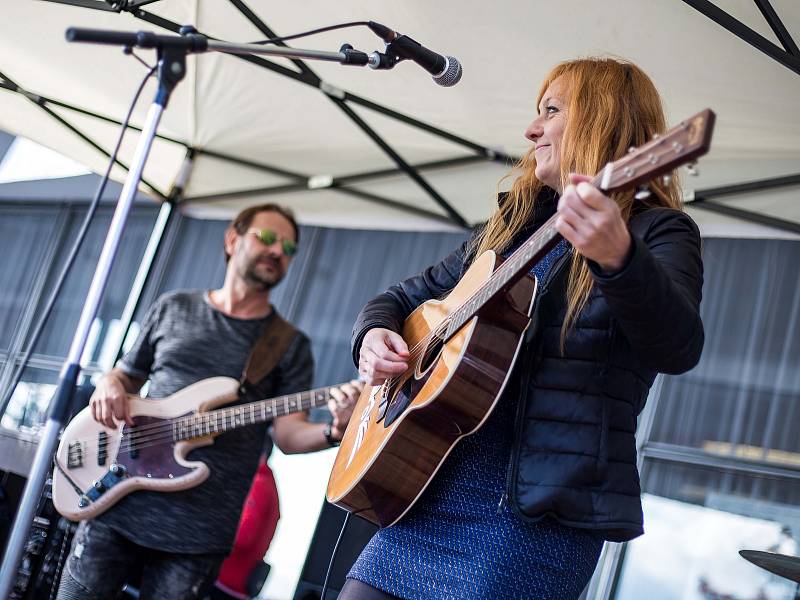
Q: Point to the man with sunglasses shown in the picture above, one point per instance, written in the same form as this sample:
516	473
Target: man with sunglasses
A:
179	539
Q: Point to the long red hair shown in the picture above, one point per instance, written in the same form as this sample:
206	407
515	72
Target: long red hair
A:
612	106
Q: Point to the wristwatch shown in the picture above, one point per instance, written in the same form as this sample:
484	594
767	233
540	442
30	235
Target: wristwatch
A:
328	433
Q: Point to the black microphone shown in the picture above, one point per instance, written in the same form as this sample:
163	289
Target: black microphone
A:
446	70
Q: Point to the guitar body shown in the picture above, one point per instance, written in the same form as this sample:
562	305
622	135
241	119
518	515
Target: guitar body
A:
390	453
89	452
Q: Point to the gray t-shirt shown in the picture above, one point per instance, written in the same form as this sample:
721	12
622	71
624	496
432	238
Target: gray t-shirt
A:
185	339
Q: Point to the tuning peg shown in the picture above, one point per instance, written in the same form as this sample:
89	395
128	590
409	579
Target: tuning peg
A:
691	168
632	149
643	193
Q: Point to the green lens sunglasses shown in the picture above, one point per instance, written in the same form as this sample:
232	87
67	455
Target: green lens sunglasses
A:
269	237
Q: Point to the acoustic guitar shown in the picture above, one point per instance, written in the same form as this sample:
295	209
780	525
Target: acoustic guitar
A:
96	465
461	351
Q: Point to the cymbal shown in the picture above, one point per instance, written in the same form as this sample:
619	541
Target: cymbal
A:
780	564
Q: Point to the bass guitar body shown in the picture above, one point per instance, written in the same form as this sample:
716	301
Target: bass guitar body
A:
402	431
97	465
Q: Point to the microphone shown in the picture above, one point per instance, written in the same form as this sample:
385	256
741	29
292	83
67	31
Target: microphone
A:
446	70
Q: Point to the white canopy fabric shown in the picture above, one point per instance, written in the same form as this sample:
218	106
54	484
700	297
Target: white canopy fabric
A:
230	106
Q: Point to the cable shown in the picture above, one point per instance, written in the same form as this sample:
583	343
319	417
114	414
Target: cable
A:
333	555
62	276
312	32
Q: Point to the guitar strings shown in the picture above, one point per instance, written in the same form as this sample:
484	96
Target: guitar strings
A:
167	425
135	441
414	352
130	441
280	401
505	266
136	438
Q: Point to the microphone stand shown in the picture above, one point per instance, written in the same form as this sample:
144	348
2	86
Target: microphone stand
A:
171	53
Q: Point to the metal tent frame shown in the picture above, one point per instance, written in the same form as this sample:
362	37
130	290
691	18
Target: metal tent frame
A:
789	56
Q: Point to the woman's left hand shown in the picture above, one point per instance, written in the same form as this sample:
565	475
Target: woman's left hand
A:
592	223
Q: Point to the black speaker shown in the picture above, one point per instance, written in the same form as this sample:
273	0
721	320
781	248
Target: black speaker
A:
356	536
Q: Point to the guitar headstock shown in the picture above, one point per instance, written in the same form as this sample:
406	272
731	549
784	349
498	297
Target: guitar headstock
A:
681	144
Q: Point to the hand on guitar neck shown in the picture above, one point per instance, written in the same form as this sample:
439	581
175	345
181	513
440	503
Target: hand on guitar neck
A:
384	354
592	223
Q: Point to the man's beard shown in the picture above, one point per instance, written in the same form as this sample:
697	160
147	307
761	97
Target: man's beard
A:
259	280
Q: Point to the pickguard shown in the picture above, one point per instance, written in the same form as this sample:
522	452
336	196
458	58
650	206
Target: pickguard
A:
149	455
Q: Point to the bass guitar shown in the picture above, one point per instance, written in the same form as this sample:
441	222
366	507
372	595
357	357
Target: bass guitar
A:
96	465
461	351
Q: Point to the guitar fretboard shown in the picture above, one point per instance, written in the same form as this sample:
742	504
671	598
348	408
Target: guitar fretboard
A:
242	415
515	266
534	249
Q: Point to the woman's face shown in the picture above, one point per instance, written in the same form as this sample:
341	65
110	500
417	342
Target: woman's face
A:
547	130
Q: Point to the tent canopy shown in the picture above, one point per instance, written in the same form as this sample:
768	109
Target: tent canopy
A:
275	130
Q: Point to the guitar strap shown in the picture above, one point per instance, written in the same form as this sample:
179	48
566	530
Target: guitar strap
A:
268	351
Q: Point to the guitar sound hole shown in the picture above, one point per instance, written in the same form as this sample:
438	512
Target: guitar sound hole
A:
432	353
401	397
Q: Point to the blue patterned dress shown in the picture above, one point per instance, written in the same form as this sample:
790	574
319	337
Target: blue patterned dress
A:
461	540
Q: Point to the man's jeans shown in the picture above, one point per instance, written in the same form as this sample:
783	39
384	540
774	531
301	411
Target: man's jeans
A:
102	561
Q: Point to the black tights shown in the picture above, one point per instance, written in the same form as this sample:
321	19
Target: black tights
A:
353	589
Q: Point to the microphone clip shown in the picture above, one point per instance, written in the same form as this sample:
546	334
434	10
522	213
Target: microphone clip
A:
397	50
383	61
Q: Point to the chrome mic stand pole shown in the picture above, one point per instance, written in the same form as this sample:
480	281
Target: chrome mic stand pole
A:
171	69
172	51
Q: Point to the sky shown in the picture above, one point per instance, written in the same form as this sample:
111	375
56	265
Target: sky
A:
26	160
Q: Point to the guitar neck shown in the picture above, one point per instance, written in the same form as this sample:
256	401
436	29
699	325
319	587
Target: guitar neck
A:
243	415
521	261
684	142
534	249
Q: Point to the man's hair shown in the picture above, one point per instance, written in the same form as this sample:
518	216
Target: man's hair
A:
244	219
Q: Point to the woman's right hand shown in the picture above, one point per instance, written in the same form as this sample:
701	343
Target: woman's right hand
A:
384	354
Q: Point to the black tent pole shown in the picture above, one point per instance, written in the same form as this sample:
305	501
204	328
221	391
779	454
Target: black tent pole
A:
736	27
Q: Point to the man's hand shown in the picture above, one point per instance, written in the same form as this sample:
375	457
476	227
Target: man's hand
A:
384	354
341	406
109	402
592	223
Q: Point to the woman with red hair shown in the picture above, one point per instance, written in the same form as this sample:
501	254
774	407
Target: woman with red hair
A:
521	508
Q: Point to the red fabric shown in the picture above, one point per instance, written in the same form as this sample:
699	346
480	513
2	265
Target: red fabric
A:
256	528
